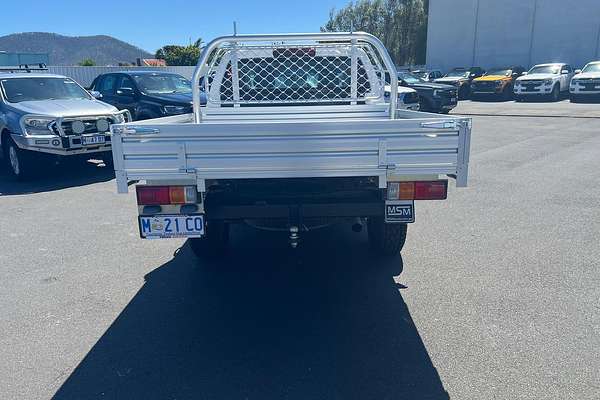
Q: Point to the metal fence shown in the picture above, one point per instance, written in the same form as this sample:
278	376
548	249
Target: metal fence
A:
85	75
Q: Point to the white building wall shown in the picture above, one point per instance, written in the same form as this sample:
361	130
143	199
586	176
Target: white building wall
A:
492	33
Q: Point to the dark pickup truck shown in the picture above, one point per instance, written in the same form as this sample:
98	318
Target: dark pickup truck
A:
461	78
434	97
146	94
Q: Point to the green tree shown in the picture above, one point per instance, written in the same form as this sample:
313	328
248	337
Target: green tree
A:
400	24
180	55
87	62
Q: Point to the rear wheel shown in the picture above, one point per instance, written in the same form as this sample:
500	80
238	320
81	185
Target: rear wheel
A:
214	242
386	239
20	163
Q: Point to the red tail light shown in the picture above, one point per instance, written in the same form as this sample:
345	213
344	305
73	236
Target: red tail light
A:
432	190
162	195
422	190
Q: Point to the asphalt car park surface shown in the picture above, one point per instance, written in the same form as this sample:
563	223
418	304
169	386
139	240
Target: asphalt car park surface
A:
497	299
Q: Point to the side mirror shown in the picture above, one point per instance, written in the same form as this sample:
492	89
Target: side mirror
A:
577	71
564	72
96	94
401	82
524	73
126	91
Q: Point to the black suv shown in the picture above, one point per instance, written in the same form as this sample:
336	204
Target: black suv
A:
434	97
146	94
462	78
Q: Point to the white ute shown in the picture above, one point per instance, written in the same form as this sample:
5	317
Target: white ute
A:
408	99
549	80
296	135
586	83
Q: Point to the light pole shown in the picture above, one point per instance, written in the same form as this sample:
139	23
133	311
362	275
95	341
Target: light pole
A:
475	32
532	33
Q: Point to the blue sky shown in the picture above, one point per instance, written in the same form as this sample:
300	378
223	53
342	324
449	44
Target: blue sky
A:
151	24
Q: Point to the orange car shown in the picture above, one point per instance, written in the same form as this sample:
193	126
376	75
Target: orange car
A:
497	82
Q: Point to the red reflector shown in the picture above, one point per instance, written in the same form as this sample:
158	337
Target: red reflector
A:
432	190
152	195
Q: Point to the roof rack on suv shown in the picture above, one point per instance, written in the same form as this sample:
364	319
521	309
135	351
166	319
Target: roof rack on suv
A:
25	68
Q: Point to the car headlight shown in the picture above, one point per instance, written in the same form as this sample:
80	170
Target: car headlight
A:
37	125
574	82
499	83
436	93
547	81
119	118
175	109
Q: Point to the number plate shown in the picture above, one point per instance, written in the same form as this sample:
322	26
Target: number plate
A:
171	226
400	211
87	140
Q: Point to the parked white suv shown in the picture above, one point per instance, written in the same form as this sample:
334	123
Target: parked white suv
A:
408	99
548	80
586	83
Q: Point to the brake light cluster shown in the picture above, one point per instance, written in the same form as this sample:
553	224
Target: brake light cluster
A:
163	195
421	190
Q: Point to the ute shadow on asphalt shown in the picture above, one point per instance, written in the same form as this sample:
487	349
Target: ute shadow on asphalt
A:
56	177
326	321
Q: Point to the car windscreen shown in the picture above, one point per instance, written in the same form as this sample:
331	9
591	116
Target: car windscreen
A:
592	68
457	74
17	90
545	69
162	83
409	78
499	71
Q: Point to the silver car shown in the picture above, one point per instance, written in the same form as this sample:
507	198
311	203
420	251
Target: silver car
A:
44	116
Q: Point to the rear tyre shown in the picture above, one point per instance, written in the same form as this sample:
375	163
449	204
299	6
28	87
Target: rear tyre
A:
21	163
215	241
386	239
